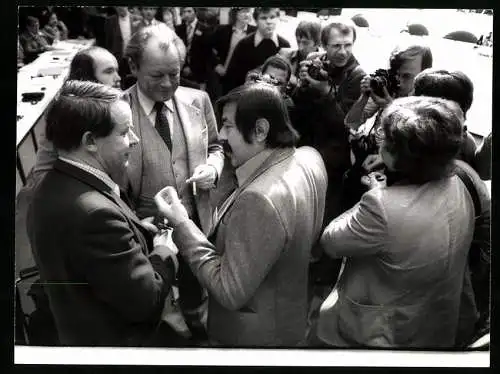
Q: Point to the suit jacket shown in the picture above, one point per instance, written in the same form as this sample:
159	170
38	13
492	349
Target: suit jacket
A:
113	35
203	146
406	269
221	41
257	272
199	55
93	252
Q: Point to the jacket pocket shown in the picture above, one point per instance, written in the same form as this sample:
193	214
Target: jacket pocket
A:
366	325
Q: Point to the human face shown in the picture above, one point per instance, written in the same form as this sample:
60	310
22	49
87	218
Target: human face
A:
235	146
106	68
306	46
168	18
266	23
159	72
339	47
53	20
243	16
148	13
122	11
34	28
188	14
279	74
406	75
113	151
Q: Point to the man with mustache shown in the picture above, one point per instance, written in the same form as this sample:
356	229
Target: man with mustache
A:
256	271
179	143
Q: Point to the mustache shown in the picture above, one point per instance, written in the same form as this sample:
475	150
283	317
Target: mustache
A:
226	147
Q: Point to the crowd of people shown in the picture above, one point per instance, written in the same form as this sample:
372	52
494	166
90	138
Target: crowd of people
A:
201	184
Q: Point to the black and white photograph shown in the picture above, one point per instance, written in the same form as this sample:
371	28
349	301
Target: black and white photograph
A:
197	182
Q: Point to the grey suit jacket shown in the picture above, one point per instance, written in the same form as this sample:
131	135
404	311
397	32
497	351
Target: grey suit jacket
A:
257	272
202	140
406	268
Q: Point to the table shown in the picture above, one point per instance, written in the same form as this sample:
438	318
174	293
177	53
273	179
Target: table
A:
46	74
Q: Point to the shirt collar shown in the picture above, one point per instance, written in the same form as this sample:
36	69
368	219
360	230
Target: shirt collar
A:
240	30
125	17
258	38
148	105
243	172
95	172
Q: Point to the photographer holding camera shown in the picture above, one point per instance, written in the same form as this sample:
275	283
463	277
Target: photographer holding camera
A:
377	91
329	84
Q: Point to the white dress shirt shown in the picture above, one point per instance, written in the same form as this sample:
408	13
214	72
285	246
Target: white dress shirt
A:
148	106
125	29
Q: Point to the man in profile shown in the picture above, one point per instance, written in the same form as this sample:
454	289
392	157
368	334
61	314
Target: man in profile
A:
256	271
106	277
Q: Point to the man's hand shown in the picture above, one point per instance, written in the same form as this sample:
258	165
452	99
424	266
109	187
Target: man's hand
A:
375	179
204	176
220	69
384	101
170	206
365	85
149	225
372	162
164	247
321	86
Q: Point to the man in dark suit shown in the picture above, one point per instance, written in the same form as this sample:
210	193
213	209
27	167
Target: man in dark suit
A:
254	49
224	41
196	38
257	267
119	29
106	277
179	143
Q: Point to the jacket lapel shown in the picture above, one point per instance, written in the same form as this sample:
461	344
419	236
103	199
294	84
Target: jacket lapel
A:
191	122
104	189
278	155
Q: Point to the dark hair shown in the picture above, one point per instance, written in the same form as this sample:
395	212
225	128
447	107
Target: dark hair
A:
310	30
233	12
163	9
80	106
453	85
279	63
408	52
345	27
258	11
256	101
82	66
30	20
423	134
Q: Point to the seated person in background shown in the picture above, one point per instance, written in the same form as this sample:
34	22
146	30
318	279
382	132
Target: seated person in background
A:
255	48
107	278
308	35
405	62
55	30
483	158
405	274
455	86
32	40
224	42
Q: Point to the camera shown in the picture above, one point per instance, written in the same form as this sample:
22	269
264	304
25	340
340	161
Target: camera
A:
319	69
384	78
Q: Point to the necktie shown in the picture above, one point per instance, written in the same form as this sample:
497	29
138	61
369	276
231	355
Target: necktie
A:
161	124
189	35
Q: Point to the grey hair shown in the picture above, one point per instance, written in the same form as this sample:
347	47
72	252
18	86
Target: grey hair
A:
161	32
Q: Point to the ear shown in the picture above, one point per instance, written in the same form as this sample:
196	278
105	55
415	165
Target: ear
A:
133	67
261	130
89	142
